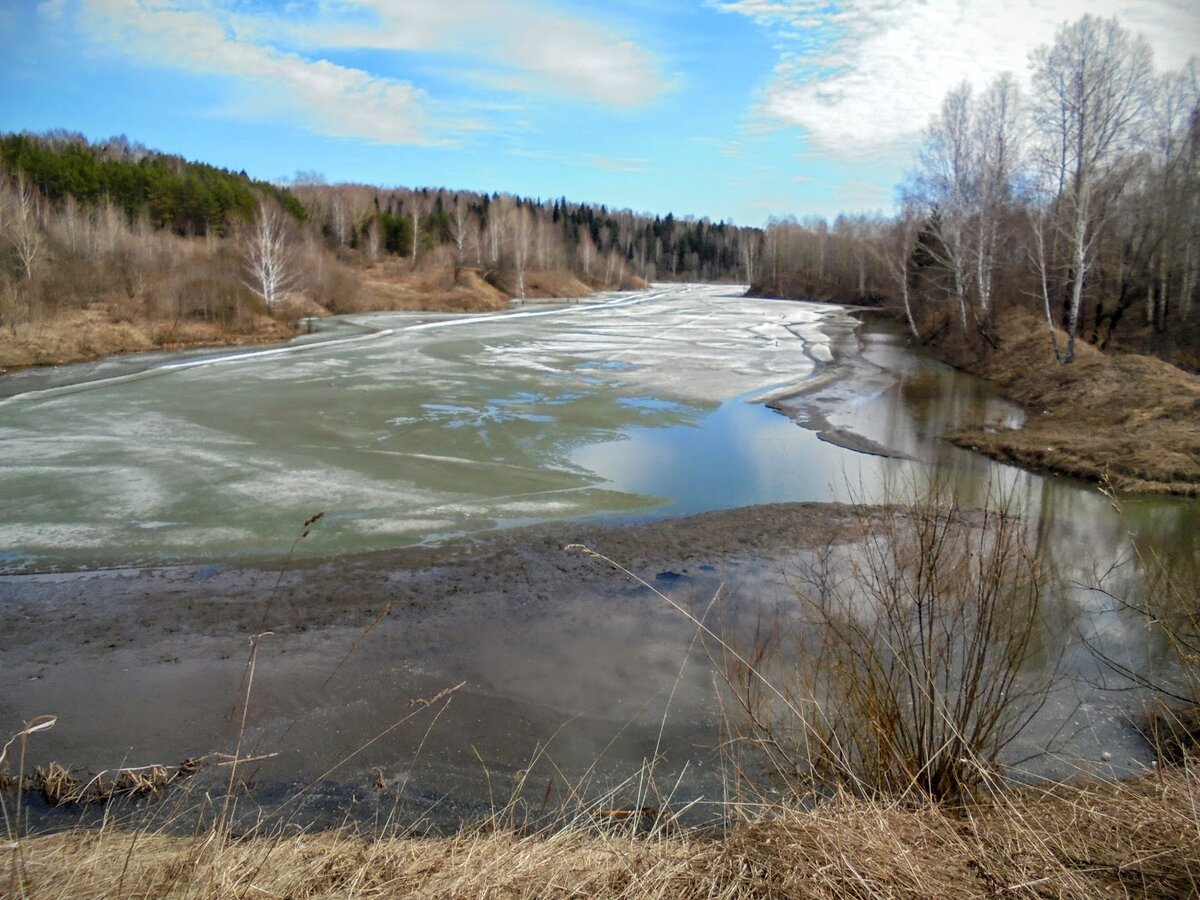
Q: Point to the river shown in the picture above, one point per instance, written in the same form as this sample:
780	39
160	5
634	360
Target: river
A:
418	431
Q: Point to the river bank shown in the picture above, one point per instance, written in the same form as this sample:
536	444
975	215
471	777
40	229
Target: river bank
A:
547	644
1129	420
1123	419
117	325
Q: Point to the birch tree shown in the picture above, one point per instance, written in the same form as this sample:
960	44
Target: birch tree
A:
416	229
996	148
340	220
1090	93
459	230
893	246
522	241
586	249
22	224
269	258
943	185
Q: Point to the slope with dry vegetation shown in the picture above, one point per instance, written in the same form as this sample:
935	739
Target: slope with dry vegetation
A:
1137	838
1131	419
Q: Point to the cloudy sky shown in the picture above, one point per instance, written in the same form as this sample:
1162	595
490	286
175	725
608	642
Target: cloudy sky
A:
734	109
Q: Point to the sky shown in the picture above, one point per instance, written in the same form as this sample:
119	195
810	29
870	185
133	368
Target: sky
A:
732	109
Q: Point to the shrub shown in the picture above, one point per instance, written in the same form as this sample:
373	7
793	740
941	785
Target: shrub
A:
914	658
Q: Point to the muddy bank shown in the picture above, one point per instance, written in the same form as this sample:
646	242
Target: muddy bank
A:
101	331
554	648
1129	419
844	377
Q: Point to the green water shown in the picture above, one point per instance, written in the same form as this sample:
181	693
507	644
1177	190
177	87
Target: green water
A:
407	429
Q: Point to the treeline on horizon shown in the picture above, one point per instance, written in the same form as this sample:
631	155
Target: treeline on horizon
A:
1077	201
85	221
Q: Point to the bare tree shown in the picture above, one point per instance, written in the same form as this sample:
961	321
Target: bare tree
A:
22	224
750	252
268	255
1090	93
522	238
1175	115
416	229
340	219
943	185
894	248
586	250
996	147
372	242
459	230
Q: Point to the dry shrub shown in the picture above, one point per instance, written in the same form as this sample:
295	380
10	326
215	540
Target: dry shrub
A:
336	288
218	298
13	304
56	783
913	661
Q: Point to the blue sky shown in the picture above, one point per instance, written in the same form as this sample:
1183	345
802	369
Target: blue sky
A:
733	109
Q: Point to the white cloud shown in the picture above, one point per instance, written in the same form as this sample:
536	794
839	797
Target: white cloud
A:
615	164
865	75
523	45
324	97
278	62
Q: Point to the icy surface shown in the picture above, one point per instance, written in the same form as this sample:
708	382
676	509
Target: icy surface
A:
431	426
410	428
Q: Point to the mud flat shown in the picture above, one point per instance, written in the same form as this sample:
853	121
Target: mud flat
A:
555	648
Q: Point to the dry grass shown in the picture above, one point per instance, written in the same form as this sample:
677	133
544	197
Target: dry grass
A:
92	333
113	324
1133	418
394	286
1101	839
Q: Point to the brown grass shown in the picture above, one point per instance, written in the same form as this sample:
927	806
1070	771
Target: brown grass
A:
394	286
98	331
1101	839
1133	418
115	324
541	284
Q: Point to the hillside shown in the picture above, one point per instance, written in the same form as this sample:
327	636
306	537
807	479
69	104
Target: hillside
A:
110	247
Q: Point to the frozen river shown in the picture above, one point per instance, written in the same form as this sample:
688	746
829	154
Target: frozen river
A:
412	429
426	427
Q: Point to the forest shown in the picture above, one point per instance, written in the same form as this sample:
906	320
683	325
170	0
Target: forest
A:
1076	200
108	246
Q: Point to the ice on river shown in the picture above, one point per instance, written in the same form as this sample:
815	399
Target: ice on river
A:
432	426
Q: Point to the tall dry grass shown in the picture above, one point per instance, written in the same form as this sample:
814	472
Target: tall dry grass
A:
1105	839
